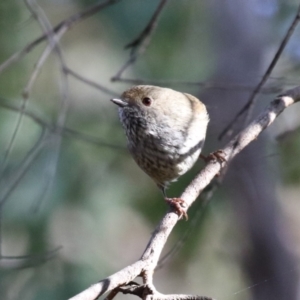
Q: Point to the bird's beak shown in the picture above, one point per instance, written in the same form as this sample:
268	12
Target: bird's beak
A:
119	102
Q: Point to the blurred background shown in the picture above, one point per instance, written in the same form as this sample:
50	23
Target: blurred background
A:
75	208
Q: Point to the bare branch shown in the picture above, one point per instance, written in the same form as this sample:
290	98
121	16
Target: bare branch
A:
62	27
53	44
27	90
63	130
146	265
145	35
251	101
27	261
25	94
139	45
90	82
13	181
205	85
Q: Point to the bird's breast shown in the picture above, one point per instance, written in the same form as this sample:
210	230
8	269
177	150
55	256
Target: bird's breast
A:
162	151
164	160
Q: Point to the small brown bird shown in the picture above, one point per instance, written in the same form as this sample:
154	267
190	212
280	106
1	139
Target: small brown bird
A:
165	130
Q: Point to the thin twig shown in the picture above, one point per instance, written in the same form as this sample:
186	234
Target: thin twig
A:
144	37
12	181
139	45
90	139
53	35
203	84
248	107
53	43
27	261
150	257
63	130
63	26
33	116
25	96
31	156
90	82
27	90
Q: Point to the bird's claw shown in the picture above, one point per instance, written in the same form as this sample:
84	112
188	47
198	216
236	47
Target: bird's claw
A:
179	206
218	156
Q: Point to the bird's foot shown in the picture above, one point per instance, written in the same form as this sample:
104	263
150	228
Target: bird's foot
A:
216	156
179	205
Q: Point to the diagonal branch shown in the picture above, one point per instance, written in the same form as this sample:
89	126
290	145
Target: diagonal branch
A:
144	38
63	26
12	181
90	82
248	107
62	130
27	261
139	45
146	265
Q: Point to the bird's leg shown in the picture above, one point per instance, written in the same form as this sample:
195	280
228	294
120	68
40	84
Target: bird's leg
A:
217	156
177	203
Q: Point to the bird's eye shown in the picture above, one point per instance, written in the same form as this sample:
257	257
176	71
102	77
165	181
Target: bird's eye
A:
147	101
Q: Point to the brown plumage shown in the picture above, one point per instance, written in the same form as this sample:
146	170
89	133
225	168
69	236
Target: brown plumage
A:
165	130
